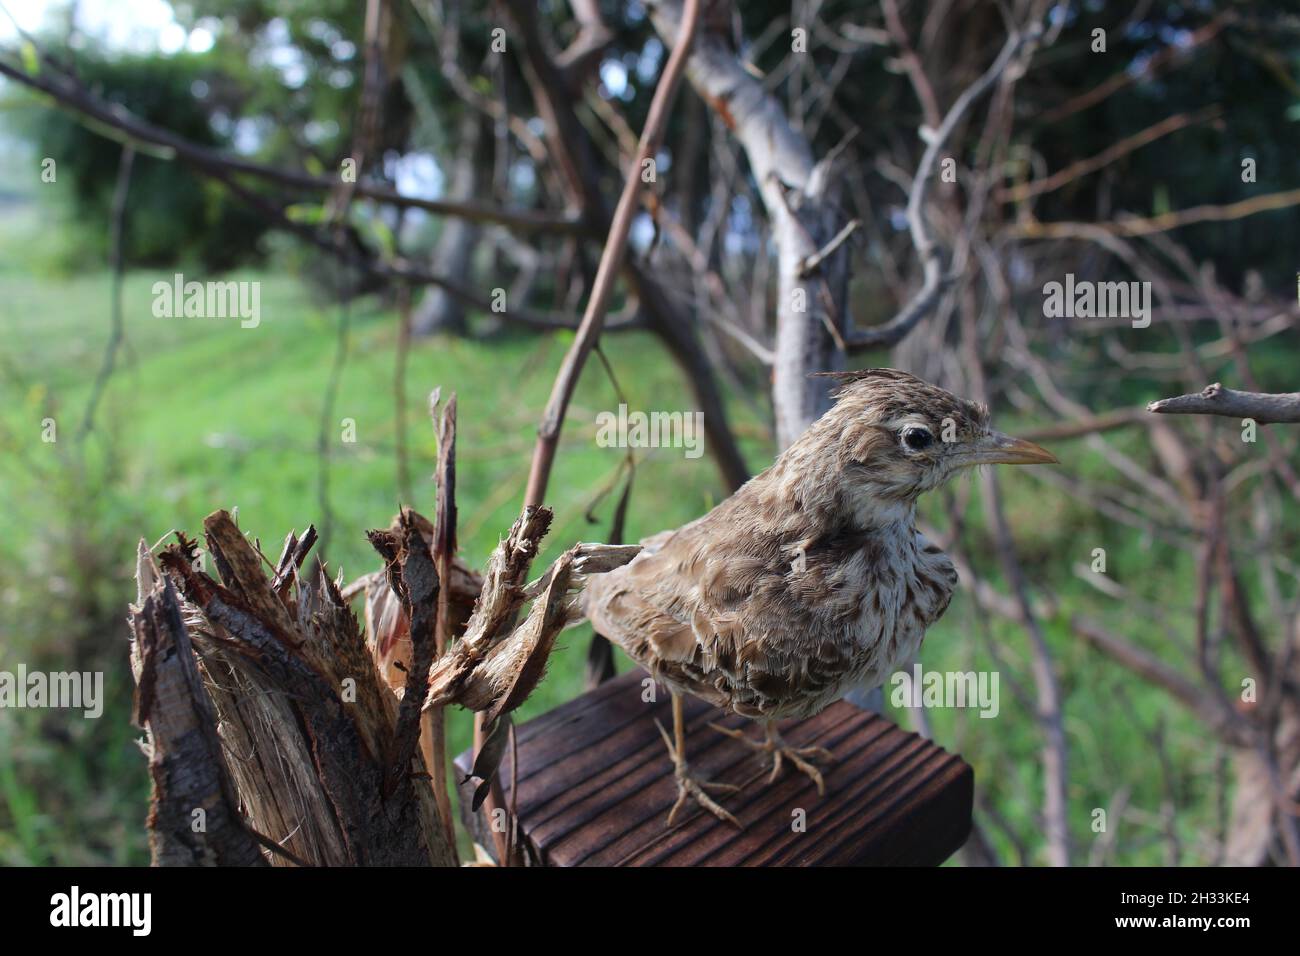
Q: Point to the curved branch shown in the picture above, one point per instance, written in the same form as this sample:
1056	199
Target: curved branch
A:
934	281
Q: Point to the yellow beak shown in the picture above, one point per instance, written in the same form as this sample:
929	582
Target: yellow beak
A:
996	448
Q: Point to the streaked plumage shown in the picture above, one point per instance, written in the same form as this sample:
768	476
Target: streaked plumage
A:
742	623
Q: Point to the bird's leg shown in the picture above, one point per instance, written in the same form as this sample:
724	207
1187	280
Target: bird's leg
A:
774	744
687	784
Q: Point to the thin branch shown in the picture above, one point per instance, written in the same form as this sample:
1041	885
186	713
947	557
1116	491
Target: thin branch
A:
1090	425
398	270
1127	76
1266	409
811	263
1130	226
593	319
1107	156
571	146
934	281
1230	727
117	259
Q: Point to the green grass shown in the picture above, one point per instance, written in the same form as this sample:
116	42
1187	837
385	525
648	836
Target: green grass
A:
202	414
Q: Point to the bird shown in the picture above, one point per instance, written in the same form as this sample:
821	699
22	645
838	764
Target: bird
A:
811	579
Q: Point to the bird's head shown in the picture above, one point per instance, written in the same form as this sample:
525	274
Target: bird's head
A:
895	436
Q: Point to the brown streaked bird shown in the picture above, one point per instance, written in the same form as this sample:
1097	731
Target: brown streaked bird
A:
811	579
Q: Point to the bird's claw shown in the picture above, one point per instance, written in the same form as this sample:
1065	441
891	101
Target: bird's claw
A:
773	743
689	787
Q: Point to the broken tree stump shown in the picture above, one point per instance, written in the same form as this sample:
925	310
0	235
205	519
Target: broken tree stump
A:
595	786
277	724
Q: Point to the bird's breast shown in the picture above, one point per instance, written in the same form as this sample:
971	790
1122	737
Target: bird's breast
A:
905	594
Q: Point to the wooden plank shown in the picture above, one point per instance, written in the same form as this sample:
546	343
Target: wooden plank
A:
595	787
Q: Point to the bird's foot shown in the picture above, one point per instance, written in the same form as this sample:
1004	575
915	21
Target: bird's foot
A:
689	787
773	743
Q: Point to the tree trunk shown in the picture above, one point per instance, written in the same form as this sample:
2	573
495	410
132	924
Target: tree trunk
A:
453	253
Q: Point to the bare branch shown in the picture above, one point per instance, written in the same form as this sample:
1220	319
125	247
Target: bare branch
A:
934	281
68	94
812	262
1146	226
1214	399
1127	76
1107	156
117	262
1088	425
611	260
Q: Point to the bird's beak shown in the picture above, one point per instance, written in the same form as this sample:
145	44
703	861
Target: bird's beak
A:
996	448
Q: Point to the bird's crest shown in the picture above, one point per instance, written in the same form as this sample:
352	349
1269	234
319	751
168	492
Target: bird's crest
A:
845	379
900	390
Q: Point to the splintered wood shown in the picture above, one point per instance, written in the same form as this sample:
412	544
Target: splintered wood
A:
314	762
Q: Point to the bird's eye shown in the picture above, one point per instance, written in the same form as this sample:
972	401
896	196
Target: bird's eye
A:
917	438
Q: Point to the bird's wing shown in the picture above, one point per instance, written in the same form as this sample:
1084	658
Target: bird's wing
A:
719	615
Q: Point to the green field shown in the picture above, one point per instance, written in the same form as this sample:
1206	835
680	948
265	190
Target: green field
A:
202	414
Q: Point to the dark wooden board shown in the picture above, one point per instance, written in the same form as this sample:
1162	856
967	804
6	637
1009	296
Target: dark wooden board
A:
596	784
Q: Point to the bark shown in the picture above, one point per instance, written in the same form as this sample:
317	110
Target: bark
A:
194	817
1263	826
1264	796
319	759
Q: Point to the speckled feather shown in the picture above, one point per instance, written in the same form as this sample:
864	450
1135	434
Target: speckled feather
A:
811	578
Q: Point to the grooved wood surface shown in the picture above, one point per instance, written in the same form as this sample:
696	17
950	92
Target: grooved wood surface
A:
596	785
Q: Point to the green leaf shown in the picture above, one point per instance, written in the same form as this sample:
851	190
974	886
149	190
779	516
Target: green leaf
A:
1160	200
306	212
31	60
383	235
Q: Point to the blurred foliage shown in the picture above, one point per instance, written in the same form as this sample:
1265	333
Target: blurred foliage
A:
174	214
